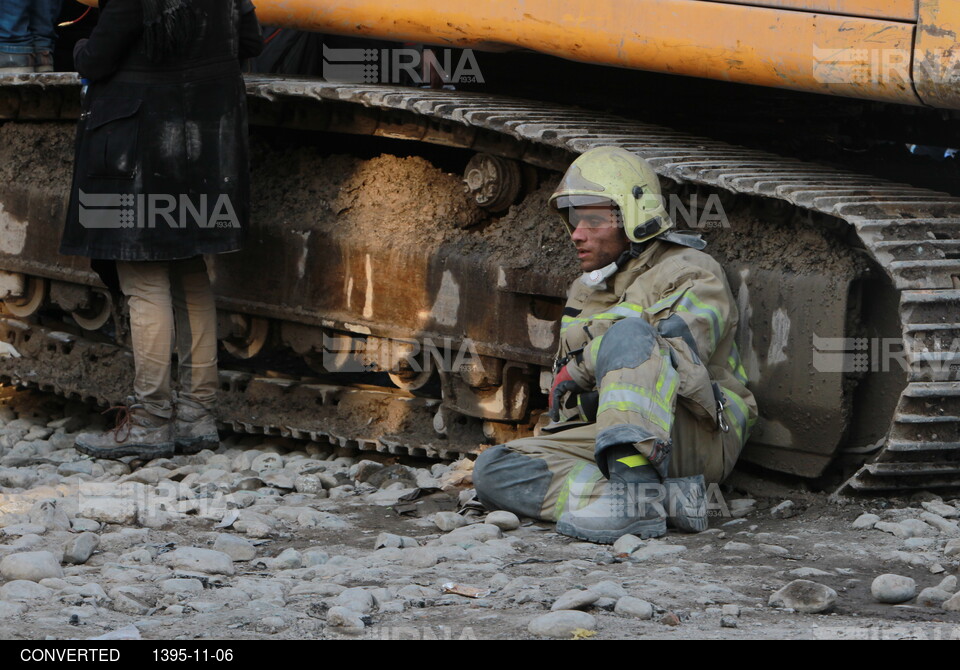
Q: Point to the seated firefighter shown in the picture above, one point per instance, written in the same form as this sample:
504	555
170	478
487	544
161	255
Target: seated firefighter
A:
649	401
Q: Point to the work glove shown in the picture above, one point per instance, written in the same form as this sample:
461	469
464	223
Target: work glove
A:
562	384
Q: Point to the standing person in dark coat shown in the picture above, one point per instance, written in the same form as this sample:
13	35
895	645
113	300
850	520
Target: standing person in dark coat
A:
161	176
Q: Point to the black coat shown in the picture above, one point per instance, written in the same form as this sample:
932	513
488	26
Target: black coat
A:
161	169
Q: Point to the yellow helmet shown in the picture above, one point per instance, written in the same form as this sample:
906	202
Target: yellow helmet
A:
605	175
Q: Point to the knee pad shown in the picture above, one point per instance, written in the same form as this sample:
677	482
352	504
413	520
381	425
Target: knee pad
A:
507	480
626	344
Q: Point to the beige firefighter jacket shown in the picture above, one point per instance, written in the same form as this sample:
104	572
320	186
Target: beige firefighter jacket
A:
684	294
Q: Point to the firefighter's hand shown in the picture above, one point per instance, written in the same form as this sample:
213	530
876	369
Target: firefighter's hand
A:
562	384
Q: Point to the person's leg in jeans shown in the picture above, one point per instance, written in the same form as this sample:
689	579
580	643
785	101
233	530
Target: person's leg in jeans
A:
16	42
145	428
43	29
195	315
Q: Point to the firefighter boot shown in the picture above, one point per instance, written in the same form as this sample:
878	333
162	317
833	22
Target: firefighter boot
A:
687	503
631	504
137	433
196	429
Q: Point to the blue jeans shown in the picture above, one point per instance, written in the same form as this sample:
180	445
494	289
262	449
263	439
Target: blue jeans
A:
27	26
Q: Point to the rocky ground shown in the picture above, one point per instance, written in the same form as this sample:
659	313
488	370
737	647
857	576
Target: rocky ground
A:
281	540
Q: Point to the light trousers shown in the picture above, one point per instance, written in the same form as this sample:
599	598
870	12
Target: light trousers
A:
171	307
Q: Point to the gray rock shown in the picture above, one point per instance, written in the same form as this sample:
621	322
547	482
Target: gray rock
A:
609	589
784	510
804	573
237	548
900	530
634	607
201	560
952	549
344	491
448	521
741	507
948	584
893	589
655	550
866	521
952	605
392	474
627	544
947	528
50	514
289	559
357	599
10	610
81	525
136	557
278	480
254	524
54	583
941	509
131	600
933	597
919	542
736	546
21	589
273	624
311	484
804	596
574	600
181	586
19	529
917	528
315	557
316	589
31	566
108	509
345	620
267	461
731	610
389	540
472	535
393	607
418	596
364	470
917	561
503	520
561	623
81	548
323	520
17	478
92	590
773	550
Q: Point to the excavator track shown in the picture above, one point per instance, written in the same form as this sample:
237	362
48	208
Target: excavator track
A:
910	233
63	363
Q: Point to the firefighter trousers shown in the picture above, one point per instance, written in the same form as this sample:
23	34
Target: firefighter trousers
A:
543	476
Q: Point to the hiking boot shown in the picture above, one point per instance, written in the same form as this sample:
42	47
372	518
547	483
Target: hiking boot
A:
631	504
196	429
137	433
687	504
43	61
17	63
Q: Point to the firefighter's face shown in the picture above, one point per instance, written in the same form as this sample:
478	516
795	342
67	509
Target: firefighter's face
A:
598	236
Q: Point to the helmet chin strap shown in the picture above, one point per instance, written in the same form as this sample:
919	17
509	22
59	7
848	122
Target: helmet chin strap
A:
633	251
598	278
